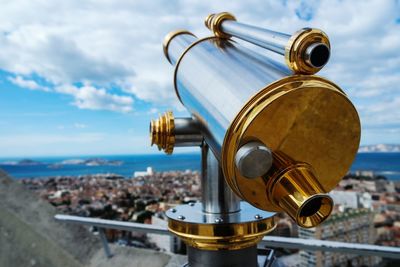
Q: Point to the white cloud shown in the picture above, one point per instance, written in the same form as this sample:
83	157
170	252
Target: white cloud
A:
28	84
80	125
89	97
117	44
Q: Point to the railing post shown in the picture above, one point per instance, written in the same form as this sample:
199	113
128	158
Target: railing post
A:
105	242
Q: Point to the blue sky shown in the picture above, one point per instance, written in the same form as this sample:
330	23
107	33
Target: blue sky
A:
86	77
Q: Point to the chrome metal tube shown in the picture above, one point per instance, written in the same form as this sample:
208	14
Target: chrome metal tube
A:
271	40
217	67
217	196
187	132
306	51
175	43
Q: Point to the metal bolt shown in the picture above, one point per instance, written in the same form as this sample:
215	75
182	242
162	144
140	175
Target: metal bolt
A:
253	160
191	204
181	217
219	220
172	210
257	216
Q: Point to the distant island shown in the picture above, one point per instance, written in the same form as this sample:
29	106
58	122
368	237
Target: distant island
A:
379	148
86	162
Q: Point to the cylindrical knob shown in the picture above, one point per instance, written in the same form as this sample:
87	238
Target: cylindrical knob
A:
162	132
253	160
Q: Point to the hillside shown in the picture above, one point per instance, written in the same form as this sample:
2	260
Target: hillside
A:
29	236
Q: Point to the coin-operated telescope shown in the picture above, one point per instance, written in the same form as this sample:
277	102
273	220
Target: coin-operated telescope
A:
272	135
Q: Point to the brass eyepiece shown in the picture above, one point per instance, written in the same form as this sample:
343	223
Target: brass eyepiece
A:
297	191
162	132
307	51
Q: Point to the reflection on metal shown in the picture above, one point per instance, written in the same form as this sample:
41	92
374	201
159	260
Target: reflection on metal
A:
307	122
305	52
253	159
269	241
185	40
281	140
229	231
217	196
168	132
221	221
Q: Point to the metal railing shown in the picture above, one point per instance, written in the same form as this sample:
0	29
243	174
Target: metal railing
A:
268	241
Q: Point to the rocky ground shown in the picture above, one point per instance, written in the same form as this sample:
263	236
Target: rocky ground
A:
29	236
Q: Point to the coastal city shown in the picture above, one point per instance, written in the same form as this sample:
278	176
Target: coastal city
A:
367	209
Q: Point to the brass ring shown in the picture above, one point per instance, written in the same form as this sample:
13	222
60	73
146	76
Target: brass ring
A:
214	21
222	236
297	46
168	39
180	59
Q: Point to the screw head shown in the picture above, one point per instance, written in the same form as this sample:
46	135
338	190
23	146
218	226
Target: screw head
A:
181	217
219	220
257	216
191	204
172	210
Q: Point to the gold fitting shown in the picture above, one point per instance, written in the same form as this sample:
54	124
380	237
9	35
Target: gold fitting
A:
295	50
169	37
298	192
214	21
162	132
222	236
208	21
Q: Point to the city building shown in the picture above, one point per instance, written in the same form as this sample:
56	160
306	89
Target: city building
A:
352	226
149	171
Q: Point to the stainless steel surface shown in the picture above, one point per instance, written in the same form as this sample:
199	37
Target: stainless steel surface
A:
217	196
317	55
111	224
269	241
253	159
195	214
222	258
177	45
271	40
213	68
187	133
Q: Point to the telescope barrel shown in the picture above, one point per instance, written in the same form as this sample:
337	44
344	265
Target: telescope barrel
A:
251	108
306	51
175	47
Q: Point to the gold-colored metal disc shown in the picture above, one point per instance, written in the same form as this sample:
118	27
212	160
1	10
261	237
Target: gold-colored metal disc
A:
307	119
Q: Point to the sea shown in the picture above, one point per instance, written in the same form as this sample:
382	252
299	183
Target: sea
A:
385	164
